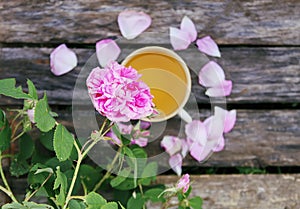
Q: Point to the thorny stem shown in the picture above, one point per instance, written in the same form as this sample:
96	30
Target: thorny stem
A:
6	190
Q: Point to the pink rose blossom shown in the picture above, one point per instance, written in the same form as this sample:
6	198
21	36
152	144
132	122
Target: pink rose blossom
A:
184	183
118	94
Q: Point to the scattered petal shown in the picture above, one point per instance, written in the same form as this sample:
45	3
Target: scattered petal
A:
184	147
196	151
196	131
175	162
208	46
211	75
132	23
171	144
144	125
230	120
62	60
224	89
220	145
107	51
180	40
188	26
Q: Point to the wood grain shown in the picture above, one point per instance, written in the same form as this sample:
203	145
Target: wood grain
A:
229	22
260	138
259	75
243	191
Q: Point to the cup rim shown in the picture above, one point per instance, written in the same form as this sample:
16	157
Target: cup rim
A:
174	55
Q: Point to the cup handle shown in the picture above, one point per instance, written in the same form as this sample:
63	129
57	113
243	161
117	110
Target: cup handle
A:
185	116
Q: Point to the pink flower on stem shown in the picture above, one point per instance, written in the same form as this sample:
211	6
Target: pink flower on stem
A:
118	94
30	114
183	183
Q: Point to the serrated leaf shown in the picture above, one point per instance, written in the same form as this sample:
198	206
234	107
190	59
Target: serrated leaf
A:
32	90
110	205
127	184
26	147
44	121
75	204
62	143
8	88
5	135
13	205
61	184
89	175
94	200
2	118
149	173
136	202
154	195
33	205
43	170
46	138
54	162
121	177
196	202
19	167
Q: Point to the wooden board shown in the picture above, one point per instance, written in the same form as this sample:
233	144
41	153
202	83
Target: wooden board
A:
260	75
260	138
244	191
229	22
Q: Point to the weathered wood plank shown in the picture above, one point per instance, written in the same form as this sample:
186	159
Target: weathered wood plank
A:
260	75
229	22
243	191
228	191
260	138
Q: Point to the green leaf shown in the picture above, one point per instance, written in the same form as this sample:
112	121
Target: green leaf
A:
94	200
110	205
89	175
2	118
19	167
44	121
46	139
75	204
42	170
127	184
149	173
61	184
136	202
26	147
13	205
196	202
8	88
121	177
154	195
32	90
63	143
54	162
5	133
33	205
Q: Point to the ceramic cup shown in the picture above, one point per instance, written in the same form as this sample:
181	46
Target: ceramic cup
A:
168	77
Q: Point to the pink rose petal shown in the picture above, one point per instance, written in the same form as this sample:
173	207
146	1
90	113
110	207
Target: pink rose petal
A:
230	121
224	89
208	46
171	144
175	162
188	26
132	23
180	40
107	51
196	151
211	75
196	131
142	142
62	60
220	145
184	147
